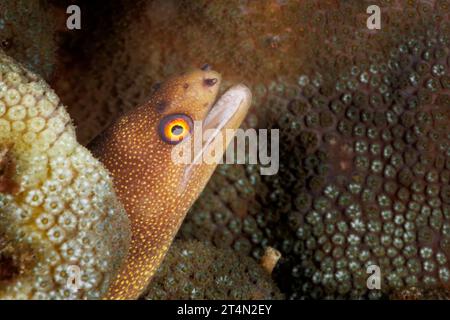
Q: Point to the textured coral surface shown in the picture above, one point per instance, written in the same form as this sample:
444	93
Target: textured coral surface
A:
59	215
414	293
27	33
364	174
365	147
193	270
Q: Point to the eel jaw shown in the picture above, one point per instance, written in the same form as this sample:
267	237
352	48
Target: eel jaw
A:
226	114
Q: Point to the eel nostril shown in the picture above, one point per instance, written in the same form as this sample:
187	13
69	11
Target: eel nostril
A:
206	67
210	82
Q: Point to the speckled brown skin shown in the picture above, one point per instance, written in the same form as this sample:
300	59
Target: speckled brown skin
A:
150	185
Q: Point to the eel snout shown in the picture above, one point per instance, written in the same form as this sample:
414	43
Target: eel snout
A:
216	130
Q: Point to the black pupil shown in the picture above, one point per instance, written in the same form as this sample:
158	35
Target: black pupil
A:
177	129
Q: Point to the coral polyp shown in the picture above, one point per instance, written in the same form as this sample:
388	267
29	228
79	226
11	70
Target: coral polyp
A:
63	233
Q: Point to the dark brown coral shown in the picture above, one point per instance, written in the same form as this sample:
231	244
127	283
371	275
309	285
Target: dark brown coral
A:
364	169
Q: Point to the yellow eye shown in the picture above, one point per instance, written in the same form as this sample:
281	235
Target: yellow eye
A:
175	127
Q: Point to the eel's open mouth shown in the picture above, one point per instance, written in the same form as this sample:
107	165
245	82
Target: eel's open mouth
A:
211	137
227	113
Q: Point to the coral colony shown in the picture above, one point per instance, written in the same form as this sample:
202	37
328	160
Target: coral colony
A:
342	193
58	205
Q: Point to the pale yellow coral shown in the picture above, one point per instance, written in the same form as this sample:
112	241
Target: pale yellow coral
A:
59	215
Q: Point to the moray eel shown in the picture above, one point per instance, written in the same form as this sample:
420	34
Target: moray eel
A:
156	191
